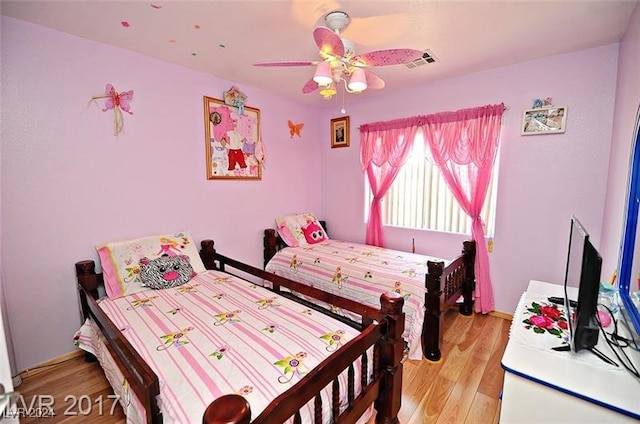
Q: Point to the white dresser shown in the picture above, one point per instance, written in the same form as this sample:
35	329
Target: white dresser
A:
546	386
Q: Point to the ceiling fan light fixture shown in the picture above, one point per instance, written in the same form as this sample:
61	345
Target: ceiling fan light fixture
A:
337	20
322	75
358	81
328	92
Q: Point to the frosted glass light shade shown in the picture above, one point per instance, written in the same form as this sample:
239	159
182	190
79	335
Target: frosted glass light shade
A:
323	74
328	92
358	80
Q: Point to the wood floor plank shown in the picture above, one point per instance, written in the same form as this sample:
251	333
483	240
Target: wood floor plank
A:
80	394
483	409
430	406
456	325
455	362
461	398
474	331
491	337
417	386
491	383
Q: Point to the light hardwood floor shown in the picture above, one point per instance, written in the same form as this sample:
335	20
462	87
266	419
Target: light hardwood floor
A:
464	387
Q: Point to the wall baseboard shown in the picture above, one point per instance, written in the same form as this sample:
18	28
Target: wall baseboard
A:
44	366
503	315
16	381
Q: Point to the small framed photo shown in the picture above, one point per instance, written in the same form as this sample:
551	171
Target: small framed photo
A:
340	132
544	120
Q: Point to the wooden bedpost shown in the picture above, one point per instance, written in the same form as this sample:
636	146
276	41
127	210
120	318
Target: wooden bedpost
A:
391	349
431	334
88	280
228	409
208	254
270	244
468	286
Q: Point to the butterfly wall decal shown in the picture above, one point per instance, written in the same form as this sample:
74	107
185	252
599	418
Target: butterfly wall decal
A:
118	102
295	129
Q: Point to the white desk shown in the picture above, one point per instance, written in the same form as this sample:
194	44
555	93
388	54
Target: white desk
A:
546	386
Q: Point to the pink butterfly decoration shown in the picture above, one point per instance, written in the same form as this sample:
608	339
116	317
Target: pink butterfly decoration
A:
115	99
118	102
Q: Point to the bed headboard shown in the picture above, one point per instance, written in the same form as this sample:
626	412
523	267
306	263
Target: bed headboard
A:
272	242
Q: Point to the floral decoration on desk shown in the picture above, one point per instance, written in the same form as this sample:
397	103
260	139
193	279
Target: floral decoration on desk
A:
546	318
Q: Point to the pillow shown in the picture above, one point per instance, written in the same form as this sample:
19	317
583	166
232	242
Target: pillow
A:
166	271
120	260
300	229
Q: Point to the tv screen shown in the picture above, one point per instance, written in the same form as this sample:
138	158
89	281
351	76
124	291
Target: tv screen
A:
583	271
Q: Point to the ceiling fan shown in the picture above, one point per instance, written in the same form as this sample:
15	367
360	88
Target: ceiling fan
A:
339	63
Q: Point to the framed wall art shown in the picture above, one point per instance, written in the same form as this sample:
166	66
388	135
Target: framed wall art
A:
231	135
544	120
340	132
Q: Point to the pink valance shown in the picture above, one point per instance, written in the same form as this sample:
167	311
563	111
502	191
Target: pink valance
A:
389	146
465	136
380	141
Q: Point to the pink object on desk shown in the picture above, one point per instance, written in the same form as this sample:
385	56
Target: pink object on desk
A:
604	318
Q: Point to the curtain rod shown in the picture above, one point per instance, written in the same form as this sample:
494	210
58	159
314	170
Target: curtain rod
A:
506	108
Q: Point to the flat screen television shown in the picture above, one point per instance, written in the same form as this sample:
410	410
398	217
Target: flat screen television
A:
584	264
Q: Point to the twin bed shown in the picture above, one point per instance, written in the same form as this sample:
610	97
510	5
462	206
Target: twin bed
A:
221	348
361	272
251	345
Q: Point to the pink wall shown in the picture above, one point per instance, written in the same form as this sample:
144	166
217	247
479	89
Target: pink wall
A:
626	107
68	183
543	180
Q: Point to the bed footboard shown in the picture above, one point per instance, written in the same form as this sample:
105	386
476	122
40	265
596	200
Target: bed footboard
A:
444	287
383	389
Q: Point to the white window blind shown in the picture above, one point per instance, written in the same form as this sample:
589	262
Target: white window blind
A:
419	198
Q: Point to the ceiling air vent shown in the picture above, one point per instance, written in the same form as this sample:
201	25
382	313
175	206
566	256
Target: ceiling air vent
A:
427	57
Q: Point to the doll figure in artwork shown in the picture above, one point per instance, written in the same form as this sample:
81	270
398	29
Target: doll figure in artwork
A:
168	247
235	142
236	98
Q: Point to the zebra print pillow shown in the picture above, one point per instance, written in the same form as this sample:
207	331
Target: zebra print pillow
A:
166	271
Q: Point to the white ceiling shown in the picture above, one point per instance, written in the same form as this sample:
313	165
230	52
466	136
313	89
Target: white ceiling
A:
224	38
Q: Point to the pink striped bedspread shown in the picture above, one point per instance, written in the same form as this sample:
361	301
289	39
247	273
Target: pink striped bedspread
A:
361	272
216	335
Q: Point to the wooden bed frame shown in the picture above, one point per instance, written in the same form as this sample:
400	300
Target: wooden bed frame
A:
381	328
444	286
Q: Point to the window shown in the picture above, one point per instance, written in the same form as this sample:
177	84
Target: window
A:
419	198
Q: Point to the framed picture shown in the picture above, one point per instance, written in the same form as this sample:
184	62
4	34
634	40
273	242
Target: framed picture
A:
340	132
544	120
230	139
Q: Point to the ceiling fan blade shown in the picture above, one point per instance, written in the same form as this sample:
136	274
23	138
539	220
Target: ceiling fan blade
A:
328	41
389	57
310	86
287	63
373	81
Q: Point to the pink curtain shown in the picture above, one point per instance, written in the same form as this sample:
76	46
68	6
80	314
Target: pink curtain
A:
384	147
463	145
